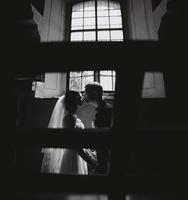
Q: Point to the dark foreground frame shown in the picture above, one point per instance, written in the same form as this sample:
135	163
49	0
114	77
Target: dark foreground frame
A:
125	139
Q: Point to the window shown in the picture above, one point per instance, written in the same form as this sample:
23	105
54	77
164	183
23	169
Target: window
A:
95	21
107	80
78	80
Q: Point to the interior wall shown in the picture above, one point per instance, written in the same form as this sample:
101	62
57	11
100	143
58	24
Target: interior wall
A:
142	26
52	25
141	21
54	85
158	13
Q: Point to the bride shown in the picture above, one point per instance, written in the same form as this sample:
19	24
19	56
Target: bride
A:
68	161
62	160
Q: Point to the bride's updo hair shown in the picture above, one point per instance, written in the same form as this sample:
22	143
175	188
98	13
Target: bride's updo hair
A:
72	100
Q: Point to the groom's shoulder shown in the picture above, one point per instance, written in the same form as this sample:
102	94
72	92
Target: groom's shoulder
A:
106	108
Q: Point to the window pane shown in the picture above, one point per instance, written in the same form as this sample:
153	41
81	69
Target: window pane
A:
116	35
77	23
77	28
113	5
75	84
86	73
102	13
75	74
102	5
107	79
89	22
89	36
103	26
106	82
77	14
106	72
89	14
115	13
115	21
89	27
89	5
103	35
76	36
103	22
119	26
86	80
81	78
78	7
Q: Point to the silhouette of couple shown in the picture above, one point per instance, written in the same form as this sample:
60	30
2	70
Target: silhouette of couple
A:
75	161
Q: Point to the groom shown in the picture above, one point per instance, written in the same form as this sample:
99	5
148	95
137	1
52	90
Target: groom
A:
103	118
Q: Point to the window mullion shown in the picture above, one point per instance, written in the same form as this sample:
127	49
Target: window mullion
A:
97	76
68	81
109	19
96	24
81	79
83	21
102	29
112	79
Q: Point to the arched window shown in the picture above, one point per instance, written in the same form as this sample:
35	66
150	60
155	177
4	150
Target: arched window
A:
96	20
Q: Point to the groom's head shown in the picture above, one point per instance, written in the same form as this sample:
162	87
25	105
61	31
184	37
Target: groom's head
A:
94	92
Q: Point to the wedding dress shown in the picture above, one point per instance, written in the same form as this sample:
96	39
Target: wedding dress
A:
62	160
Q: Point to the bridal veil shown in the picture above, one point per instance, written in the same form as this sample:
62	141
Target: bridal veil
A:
53	156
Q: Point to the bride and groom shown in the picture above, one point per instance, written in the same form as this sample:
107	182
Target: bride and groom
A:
75	161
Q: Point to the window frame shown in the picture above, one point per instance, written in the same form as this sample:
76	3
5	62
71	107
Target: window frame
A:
108	93
124	17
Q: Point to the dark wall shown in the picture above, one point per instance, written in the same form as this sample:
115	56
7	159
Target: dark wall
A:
38	112
25	30
31	113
